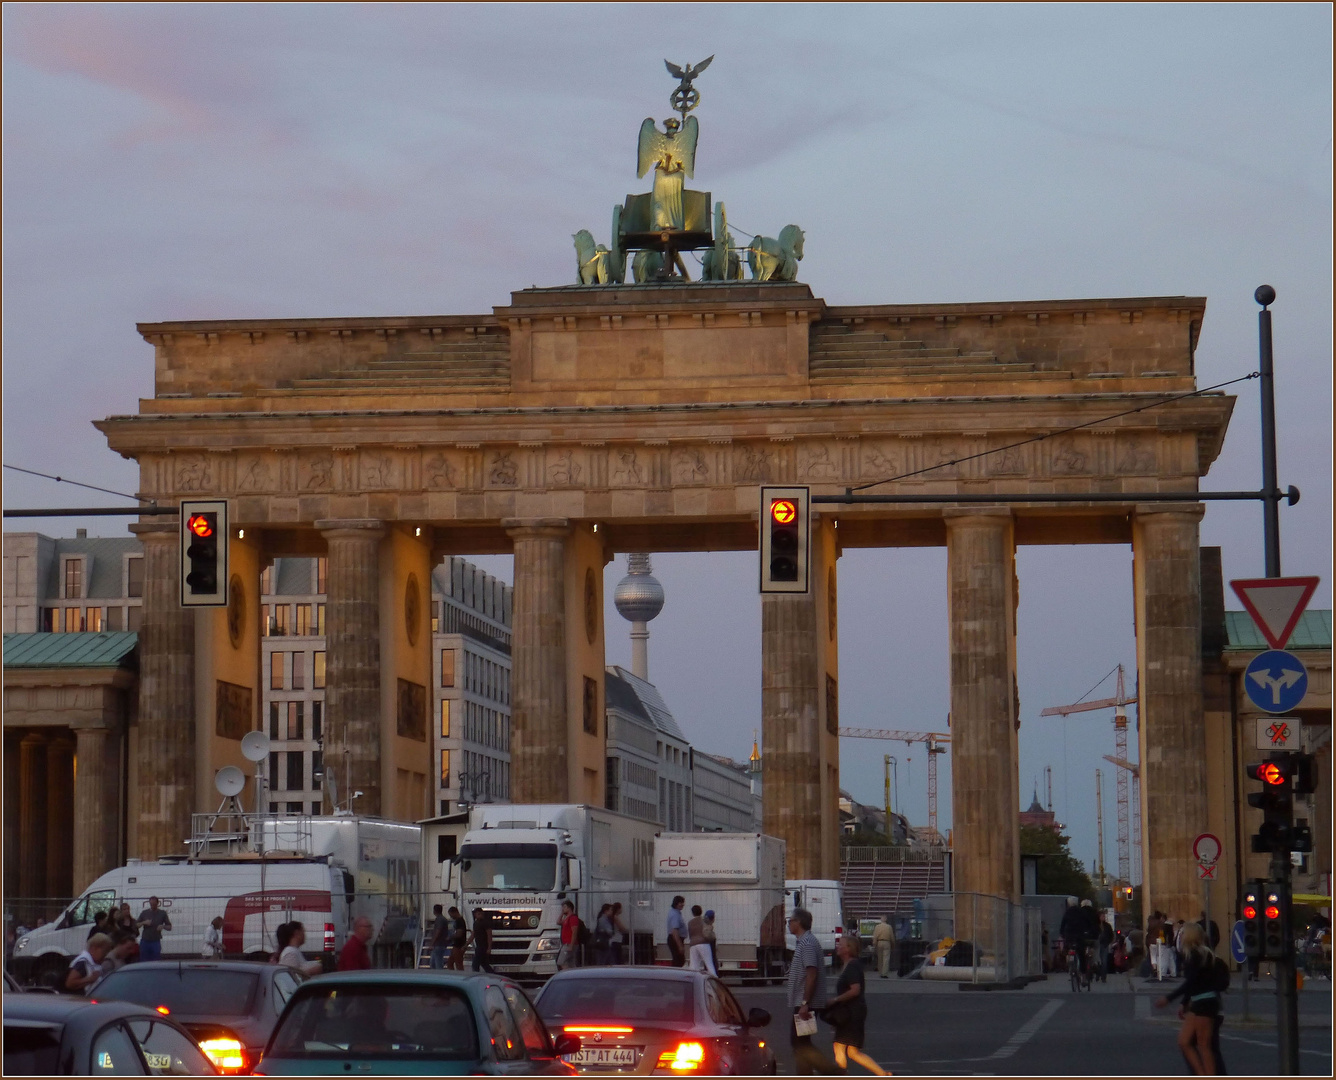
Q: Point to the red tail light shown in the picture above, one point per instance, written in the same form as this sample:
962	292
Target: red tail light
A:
329	937
227	1054
595	1029
164	1010
687	1057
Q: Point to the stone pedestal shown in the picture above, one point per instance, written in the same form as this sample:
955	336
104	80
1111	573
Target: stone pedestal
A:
32	815
981	575
165	793
91	855
352	660
60	816
539	767
800	717
1167	575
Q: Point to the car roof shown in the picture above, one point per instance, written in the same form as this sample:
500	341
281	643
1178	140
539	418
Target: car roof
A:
632	972
58	1009
406	976
251	966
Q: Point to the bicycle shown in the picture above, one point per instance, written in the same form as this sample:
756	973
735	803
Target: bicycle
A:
1079	972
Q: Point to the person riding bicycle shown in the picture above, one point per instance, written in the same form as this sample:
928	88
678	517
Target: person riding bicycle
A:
1079	930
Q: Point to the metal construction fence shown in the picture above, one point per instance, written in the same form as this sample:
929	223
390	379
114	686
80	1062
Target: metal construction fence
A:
977	938
890	854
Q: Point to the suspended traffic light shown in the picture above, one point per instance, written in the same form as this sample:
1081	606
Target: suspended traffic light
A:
204	553
786	530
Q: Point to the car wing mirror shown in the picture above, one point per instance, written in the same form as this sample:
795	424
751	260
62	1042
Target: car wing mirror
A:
565	1044
758	1018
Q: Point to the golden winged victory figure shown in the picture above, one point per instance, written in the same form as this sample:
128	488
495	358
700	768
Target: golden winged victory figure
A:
672	152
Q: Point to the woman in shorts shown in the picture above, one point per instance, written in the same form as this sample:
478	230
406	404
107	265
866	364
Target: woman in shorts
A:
847	1010
1201	1002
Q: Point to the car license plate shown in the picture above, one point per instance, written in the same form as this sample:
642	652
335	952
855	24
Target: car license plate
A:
614	1056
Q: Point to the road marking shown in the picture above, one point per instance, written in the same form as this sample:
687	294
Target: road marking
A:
1271	1045
1027	1031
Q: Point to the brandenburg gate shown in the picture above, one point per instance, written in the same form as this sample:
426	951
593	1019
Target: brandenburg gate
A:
581	421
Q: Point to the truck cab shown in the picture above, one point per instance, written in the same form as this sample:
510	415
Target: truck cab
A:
825	901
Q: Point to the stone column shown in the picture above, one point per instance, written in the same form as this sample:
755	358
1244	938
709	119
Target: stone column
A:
91	857
1167	576
539	751
352	660
165	795
32	815
13	836
985	810
60	816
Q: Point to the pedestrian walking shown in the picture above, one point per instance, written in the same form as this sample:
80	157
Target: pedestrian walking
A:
482	941
806	993
711	939
459	935
620	950
354	955
847	1010
883	942
86	969
439	937
567	955
603	933
677	932
99	924
700	960
1104	943
291	955
1201	1002
152	922
213	940
119	956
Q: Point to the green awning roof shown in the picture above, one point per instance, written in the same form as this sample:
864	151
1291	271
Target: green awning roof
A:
1312	632
69	650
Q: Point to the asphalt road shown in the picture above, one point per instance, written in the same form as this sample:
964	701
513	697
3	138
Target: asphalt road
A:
917	1028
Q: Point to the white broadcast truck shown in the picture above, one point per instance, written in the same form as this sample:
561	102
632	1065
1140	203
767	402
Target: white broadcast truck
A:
823	899
519	862
322	871
740	876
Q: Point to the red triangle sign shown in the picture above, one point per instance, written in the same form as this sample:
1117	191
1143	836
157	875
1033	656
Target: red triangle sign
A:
1275	604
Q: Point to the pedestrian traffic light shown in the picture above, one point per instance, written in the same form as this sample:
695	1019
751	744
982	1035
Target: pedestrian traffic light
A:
204	553
1275	920
1252	919
786	529
1276	802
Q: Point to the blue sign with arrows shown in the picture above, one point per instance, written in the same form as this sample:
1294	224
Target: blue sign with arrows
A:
1276	681
1236	949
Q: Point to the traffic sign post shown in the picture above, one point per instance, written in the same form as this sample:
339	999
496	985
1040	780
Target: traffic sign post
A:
1240	955
1276	681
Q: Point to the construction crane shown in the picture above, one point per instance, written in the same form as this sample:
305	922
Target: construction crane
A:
935	741
1099	821
1127	775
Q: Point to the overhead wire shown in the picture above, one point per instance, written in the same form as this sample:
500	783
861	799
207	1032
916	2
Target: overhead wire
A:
80	483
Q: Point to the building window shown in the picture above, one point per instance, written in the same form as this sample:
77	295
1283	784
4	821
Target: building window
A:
267	580
322	575
317	715
73	624
610	794
93	620
298	671
273	720
276	671
280	624
296	709
50	620
275	780
445	768
264	620
296	778
134	576
303	624
74	579
318	670
445	718
317	769
590	706
296	807
320	620
134	617
447	667
115	618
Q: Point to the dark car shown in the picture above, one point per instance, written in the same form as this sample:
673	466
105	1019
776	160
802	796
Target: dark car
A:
646	1020
230	1007
59	1035
408	1022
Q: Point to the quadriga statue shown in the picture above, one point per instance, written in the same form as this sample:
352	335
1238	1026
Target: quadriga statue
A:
776	260
721	262
647	265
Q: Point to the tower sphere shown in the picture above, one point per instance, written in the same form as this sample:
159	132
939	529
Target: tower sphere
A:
639	596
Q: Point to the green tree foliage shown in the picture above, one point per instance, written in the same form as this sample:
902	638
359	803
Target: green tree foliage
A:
1059	872
870	838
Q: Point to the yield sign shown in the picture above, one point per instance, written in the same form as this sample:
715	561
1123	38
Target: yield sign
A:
1275	604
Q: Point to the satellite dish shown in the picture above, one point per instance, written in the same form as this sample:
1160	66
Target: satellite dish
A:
255	746
229	781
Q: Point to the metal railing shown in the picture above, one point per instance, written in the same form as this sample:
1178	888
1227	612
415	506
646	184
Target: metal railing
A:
889	854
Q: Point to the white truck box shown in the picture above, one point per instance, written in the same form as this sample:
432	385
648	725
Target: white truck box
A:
824	899
740	876
519	862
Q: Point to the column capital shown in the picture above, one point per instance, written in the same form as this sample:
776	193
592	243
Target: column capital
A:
534	527
367	528
962	515
1187	508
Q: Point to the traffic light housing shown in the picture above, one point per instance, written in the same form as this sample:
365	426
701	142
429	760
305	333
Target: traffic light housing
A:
1275	920
1251	910
786	532
1276	801
204	553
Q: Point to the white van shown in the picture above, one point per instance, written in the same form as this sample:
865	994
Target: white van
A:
253	898
825	900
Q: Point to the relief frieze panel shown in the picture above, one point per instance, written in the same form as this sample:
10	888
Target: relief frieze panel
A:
819	461
194	473
628	466
380	470
689	466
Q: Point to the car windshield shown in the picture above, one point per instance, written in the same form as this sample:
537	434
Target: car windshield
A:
31	1050
377	1021
509	866
190	991
646	1000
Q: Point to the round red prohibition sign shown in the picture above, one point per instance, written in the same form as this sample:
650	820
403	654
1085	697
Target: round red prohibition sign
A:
1206	848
